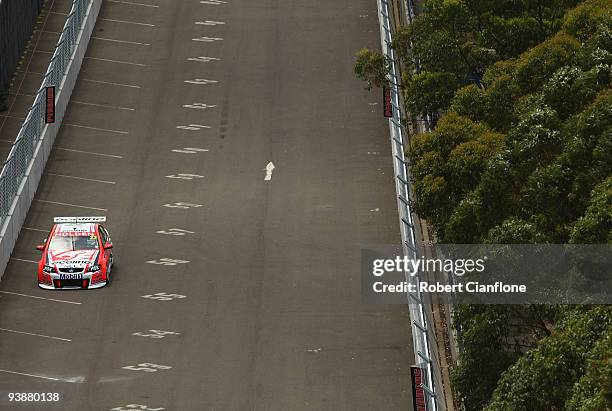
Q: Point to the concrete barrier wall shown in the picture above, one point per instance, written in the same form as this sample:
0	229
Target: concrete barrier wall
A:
27	189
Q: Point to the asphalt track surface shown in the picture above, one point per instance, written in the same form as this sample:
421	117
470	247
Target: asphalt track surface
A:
270	315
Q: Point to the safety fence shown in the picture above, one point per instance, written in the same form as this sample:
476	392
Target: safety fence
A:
17	18
426	355
23	148
25	163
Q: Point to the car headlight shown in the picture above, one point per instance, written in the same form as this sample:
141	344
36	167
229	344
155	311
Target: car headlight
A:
93	268
48	269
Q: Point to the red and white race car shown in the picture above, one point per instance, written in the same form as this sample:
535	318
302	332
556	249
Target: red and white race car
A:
76	255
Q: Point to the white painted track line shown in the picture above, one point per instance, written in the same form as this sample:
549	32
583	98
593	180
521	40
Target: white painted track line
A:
41	298
35	229
101	59
30	375
96	128
116	61
34	334
87	152
84	79
73	150
70	205
132	3
81	178
102	105
129	22
23	260
81	102
120	41
110	83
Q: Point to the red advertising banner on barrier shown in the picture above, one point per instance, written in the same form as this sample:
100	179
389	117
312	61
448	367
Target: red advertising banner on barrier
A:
387	107
418	393
50	106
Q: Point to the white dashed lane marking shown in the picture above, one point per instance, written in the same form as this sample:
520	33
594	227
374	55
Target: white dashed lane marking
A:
129	22
96	128
81	178
35	229
30	375
23	260
86	152
71	205
120	41
40	298
34	334
132	3
110	83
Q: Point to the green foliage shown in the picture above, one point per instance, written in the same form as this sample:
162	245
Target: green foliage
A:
543	378
455	41
447	164
371	67
593	391
484	330
428	91
569	89
596	224
535	66
583	21
471	102
515	231
525	157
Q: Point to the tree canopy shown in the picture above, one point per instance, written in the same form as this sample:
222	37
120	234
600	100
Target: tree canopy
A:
521	153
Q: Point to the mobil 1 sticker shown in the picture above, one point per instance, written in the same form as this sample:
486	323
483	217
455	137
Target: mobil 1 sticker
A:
71	276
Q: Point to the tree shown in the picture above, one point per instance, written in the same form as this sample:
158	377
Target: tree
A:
534	67
428	92
521	154
593	391
447	163
484	354
585	20
543	378
372	67
569	89
595	227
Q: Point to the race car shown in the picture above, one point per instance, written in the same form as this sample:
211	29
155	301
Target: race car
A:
76	255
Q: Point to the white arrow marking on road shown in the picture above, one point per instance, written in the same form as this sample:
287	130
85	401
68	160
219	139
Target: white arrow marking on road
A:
269	168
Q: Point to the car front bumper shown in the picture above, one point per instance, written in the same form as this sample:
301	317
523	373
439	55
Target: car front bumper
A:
83	282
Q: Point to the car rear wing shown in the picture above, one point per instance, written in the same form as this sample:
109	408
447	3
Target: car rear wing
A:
99	219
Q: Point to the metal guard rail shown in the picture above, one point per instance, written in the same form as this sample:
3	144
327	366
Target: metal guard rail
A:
426	355
21	153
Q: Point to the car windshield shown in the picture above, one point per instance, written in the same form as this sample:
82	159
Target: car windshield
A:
73	243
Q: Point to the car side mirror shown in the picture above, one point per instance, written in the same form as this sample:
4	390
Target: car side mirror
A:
40	247
108	246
